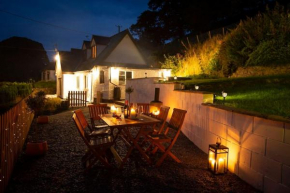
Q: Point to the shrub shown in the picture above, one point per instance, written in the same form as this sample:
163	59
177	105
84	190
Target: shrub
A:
52	104
260	41
36	102
9	91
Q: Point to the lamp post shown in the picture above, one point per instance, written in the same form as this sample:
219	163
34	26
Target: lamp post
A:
224	94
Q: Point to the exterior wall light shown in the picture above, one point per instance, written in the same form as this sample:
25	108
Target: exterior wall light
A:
196	87
175	77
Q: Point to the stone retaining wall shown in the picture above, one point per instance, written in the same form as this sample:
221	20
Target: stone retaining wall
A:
259	149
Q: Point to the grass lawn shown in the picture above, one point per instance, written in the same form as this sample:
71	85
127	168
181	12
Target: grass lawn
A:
266	95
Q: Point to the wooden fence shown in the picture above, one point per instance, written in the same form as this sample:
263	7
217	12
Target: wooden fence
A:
77	98
14	127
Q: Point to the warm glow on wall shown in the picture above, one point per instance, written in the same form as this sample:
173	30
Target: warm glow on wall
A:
165	73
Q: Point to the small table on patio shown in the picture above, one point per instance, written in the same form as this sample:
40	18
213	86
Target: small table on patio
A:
123	126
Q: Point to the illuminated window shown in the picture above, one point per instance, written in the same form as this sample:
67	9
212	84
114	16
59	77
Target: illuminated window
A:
94	51
102	77
123	76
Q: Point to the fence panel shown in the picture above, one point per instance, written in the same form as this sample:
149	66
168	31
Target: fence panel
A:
77	98
14	127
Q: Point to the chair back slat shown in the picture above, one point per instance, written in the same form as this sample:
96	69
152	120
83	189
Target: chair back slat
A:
146	107
177	119
97	110
163	116
79	125
82	119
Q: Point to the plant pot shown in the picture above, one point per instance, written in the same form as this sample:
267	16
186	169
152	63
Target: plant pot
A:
36	148
42	119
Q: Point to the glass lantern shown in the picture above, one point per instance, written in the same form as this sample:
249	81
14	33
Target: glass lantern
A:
218	158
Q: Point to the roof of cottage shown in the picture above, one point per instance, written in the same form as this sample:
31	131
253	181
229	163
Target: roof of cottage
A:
87	44
70	59
101	40
112	44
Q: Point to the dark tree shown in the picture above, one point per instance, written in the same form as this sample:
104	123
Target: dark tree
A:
167	20
21	59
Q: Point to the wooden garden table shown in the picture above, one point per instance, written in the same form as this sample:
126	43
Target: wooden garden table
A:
124	126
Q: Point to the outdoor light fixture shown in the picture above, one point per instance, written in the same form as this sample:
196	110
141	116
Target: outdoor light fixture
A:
196	87
218	155
175	77
224	95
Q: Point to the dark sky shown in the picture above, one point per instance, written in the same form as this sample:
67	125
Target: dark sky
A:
98	17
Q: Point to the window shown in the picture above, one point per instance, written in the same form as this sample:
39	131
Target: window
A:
94	51
128	75
48	75
78	82
102	77
123	76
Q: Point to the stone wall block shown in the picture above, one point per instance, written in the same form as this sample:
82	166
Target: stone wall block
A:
278	151
218	129
268	128
233	135
253	142
271	186
245	157
234	154
243	122
287	133
286	175
251	176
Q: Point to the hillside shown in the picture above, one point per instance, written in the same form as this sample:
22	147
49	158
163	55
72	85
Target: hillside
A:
21	59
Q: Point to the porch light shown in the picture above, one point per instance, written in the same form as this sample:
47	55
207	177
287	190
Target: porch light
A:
218	158
196	87
175	77
57	57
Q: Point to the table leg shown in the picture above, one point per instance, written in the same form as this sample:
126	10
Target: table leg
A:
136	145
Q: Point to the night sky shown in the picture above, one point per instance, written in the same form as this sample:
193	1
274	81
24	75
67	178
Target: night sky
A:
83	17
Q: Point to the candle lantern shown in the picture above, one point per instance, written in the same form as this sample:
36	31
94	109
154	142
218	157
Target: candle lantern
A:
218	158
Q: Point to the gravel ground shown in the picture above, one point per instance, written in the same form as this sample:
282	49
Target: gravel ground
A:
60	170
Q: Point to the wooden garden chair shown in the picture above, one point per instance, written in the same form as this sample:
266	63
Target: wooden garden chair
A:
85	124
98	144
159	140
158	128
146	108
95	112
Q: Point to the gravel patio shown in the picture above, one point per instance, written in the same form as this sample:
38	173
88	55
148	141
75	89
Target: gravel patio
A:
60	170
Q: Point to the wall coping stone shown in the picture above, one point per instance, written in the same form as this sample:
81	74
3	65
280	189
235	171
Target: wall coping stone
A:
246	112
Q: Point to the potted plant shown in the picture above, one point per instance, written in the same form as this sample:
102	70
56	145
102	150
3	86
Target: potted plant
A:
36	103
129	90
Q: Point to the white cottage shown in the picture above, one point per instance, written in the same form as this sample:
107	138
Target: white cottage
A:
106	64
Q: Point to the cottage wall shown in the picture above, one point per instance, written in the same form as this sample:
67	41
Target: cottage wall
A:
259	149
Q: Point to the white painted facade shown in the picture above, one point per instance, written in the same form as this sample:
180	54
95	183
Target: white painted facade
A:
125	54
